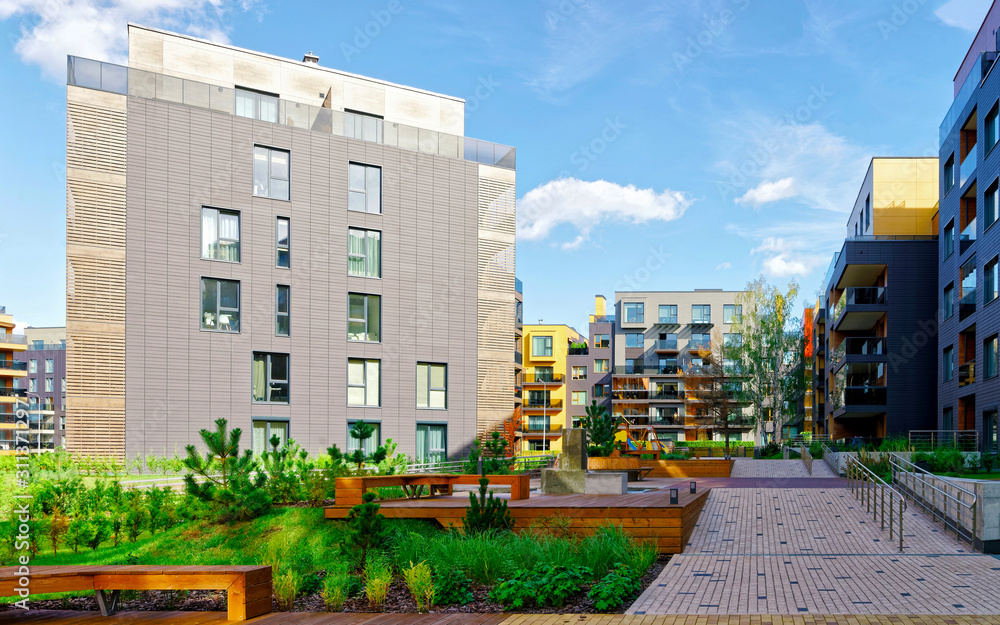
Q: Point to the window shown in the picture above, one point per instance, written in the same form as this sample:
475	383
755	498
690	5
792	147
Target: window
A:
601	365
362	126
48	404
668	313
967	286
949	238
602	390
732	339
701	313
49	385
990	285
700	341
257	105
732	313
364	256
634	339
282	243
50	365
432	442
948	363
990	430
949	173
432	385
633	366
579	398
220	305
541	347
364	192
602	341
580	373
270	377
370	444
539	445
544	374
868	212
990	357
220	235
64	385
990	205
949	301
264	431
281	305
32	366
270	173
363	382
540	398
948	419
364	317
32	385
991	130
634	312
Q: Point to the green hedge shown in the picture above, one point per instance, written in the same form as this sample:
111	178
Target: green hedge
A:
712	444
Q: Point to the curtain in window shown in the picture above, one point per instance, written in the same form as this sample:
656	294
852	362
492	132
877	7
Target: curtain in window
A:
260	444
422	443
436	443
209	235
356	258
422	387
229	235
281	431
372	384
259	374
374	320
438	383
374	255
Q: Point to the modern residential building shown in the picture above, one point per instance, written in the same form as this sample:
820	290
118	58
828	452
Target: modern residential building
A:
967	380
660	337
45	362
289	246
816	378
11	372
807	403
546	393
588	369
878	331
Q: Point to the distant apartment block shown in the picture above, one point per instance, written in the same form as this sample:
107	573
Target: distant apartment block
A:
45	362
588	368
546	395
874	328
285	245
659	342
12	371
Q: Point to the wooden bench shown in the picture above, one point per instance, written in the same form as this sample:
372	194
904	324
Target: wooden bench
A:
248	588
350	489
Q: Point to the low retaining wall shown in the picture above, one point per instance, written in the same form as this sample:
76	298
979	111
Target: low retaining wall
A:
689	468
987	535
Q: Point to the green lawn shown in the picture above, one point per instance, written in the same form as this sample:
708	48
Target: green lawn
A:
974	475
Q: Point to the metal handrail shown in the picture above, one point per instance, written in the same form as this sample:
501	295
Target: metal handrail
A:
869	489
458	466
937	495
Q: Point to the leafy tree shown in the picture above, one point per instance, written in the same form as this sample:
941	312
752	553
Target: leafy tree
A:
230	482
362	431
367	530
769	357
601	428
486	515
717	385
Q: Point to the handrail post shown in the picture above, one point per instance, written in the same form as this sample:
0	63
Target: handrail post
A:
900	524
883	505
890	516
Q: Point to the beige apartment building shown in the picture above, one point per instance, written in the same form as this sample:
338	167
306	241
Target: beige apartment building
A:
285	245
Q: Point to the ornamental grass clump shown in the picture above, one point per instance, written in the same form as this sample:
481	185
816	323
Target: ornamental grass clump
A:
338	587
421	584
378	579
286	589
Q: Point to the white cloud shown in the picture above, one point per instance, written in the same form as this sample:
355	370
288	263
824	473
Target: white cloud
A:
585	205
725	265
785	258
769	191
964	14
53	29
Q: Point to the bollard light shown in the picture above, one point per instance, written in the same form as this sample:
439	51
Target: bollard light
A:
694	487
673	495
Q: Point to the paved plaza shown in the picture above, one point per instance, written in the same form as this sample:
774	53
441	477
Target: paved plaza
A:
807	550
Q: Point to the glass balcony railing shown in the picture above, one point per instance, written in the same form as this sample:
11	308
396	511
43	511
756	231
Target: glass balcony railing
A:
518	358
533	426
666	395
629	394
14	365
976	75
13	392
968	166
865	396
858	346
123	80
534	403
13	339
628	369
670	320
967	374
663	420
666	345
859	296
544	378
698	345
968	236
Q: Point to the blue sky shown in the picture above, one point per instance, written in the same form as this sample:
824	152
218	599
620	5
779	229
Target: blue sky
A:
661	145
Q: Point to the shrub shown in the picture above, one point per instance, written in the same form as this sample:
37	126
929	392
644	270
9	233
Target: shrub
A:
601	429
895	443
614	588
286	589
674	456
947	460
451	587
816	450
337	588
378	579
367	530
282	466
227	486
486	515
362	431
421	584
545	584
494	455
770	449
989	461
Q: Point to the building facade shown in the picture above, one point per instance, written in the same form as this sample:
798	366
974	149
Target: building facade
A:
546	395
45	363
12	371
967	381
284	245
876	333
588	369
660	340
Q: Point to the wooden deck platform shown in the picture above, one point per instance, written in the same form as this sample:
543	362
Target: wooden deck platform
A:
644	515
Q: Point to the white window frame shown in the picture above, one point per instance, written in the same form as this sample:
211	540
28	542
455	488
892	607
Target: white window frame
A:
220	310
368	240
280	247
365	320
367	171
269	153
424	369
278	314
270	380
366	363
214	247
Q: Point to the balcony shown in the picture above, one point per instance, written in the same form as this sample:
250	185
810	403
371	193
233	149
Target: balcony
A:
663	421
665	345
859	308
14	368
541	404
624	394
663	370
123	80
699	345
967	374
967	304
551	379
967	238
518	358
534	427
857	346
666	395
14	339
578	351
701	321
976	75
858	401
967	168
628	369
13	392
668	321
518	392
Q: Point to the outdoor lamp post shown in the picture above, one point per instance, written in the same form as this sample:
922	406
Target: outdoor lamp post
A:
673	496
694	487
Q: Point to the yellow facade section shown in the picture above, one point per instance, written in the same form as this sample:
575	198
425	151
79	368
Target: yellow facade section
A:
904	196
537	355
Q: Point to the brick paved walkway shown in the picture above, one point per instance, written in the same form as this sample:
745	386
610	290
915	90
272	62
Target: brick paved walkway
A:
748	467
815	550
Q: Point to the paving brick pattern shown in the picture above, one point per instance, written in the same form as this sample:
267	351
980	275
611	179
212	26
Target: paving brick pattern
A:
748	467
816	550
